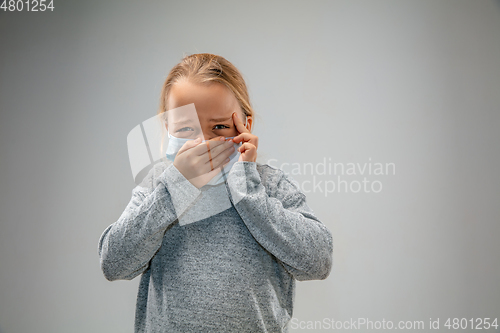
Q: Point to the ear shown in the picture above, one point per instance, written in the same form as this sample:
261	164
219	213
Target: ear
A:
249	123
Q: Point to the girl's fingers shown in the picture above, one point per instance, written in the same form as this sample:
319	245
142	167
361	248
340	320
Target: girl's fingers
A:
202	147
246	146
219	160
248	152
217	149
213	153
247	137
189	145
239	124
201	155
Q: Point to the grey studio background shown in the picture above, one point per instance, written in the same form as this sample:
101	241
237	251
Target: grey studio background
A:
412	83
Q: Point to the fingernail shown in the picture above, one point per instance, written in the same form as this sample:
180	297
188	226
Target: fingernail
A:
198	140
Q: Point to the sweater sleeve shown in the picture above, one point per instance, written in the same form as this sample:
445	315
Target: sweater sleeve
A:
127	246
281	222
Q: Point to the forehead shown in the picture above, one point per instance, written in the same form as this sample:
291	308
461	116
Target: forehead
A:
182	114
212	100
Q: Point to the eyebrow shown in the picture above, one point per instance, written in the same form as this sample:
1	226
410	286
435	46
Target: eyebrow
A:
183	122
216	120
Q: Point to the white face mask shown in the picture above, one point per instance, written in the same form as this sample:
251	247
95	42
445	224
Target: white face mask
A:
175	144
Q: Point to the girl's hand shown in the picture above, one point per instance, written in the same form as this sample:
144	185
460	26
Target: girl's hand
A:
199	162
248	149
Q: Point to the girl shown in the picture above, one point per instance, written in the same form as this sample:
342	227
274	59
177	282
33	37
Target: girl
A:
215	255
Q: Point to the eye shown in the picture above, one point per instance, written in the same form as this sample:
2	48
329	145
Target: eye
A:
185	129
222	127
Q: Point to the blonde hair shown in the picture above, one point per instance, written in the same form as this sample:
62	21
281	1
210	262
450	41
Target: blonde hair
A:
207	68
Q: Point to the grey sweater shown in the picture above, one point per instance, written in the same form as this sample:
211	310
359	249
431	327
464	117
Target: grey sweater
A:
221	258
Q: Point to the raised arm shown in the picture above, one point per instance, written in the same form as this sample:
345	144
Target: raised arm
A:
280	220
127	246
